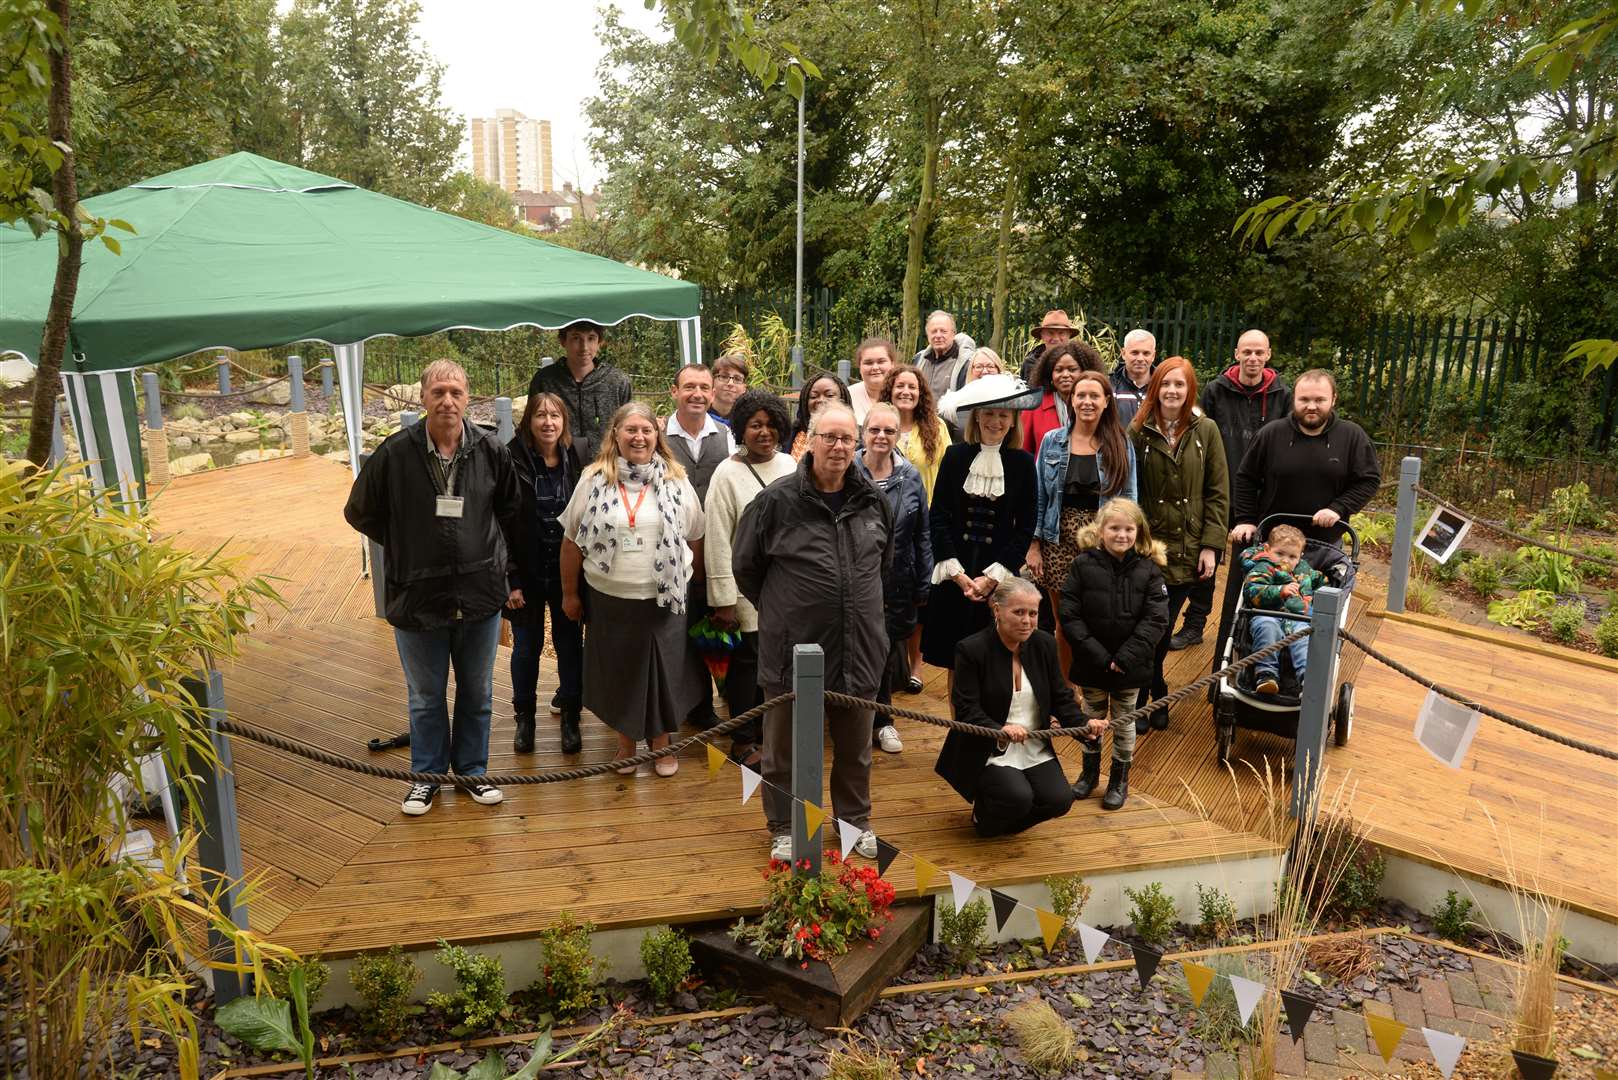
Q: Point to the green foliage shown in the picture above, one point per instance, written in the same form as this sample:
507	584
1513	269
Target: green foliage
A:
1422	596
1217	913
1573	508
384	981
1566	621
31	33
1069	894
665	953
480	987
268	1023
1218	1021
493	1067
568	970
818	917
1607	633
187	411
316	973
1484	576
1152	912
962	932
1453	918
1359	869
1523	611
1374	530
1549	571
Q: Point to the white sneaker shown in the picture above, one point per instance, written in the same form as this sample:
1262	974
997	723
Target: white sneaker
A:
487	794
781	848
865	846
887	738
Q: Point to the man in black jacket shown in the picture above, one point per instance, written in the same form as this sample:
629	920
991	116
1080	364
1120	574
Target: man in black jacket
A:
810	553
441	498
1313	462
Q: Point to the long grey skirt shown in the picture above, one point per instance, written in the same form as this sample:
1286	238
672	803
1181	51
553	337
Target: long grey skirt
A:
641	673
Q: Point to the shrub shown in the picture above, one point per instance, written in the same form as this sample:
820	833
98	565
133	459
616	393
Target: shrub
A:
961	932
1547	570
1152	912
1421	597
1374	530
1452	919
1069	894
187	411
1218	1020
1349	866
316	973
666	955
818	918
1607	633
1572	507
1524	611
1483	575
480	987
1046	1041
384	982
861	1058
1217	911
568	969
1566	620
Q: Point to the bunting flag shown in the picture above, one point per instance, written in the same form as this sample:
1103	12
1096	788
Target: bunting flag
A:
1386	1032
1197	978
813	818
1003	907
1093	940
925	873
1532	1066
961	888
1050	927
849	835
1247	993
1146	961
1446	1049
716	760
1299	1009
1605	1074
750	782
885	854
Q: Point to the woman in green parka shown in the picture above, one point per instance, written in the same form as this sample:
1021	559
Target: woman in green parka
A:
1184	487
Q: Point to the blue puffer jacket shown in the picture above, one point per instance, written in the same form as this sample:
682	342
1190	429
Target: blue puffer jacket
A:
905	587
1050	465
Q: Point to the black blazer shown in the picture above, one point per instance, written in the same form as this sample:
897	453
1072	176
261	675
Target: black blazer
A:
983	696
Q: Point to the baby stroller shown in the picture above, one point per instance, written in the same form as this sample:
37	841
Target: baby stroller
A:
1236	703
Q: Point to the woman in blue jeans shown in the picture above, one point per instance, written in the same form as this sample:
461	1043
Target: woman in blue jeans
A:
547	472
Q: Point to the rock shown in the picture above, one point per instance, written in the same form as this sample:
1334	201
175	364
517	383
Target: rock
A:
400	393
240	438
336	455
14	371
180	442
190	463
243	419
273	392
247	457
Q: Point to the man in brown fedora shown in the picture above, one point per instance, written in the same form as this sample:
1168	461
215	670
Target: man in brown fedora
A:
1054	329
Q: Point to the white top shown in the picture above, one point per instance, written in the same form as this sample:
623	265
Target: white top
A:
633	577
860	398
694	442
731	488
1024	713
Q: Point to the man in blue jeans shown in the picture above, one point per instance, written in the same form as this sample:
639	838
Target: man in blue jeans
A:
441	498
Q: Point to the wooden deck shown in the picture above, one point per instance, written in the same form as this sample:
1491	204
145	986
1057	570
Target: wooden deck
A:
342	870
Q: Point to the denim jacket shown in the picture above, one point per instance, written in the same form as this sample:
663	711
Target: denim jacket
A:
1050	465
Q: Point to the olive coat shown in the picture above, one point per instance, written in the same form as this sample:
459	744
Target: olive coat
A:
1185	493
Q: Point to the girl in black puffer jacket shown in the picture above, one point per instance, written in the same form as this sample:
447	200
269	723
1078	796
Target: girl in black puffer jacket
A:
1114	611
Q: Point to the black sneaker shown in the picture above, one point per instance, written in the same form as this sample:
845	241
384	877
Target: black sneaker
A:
487	794
420	799
1186	638
556	704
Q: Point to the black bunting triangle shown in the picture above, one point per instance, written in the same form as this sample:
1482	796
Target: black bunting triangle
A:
1532	1066
885	854
1003	907
1146	961
1299	1010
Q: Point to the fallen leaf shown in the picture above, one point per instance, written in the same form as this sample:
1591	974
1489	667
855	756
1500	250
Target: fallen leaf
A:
1587	1052
1079	1001
921	1066
980	989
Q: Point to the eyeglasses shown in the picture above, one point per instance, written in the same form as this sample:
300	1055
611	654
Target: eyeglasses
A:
835	440
730	377
881	431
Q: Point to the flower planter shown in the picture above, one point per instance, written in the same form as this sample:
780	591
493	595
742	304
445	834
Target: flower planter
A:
826	994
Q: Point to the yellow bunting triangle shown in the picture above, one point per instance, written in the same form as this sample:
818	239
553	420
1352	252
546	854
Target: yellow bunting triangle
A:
716	760
1198	978
812	818
925	873
1051	926
1606	1074
1386	1033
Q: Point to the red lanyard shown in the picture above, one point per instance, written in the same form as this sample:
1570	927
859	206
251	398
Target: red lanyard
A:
630	511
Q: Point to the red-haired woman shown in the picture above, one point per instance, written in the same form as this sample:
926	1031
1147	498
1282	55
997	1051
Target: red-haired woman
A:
1184	489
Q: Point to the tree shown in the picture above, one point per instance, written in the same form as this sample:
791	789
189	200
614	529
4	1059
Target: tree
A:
478	200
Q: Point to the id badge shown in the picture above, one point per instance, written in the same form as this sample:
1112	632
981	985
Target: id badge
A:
450	506
629	540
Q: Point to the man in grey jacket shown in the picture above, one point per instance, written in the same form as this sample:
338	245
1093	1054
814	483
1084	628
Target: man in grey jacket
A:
810	553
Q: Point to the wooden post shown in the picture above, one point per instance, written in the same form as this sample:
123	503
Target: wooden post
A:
155	438
1314	711
222	361
808	748
219	845
1404	532
502	418
299	422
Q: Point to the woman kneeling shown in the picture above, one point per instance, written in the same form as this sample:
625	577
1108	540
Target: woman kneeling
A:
1007	676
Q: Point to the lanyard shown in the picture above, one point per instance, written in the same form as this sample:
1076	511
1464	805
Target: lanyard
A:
623	499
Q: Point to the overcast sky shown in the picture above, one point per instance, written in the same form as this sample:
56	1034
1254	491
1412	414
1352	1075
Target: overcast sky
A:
536	56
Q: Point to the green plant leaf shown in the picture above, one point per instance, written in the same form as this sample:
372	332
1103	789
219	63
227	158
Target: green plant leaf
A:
262	1023
540	1058
443	1072
492	1067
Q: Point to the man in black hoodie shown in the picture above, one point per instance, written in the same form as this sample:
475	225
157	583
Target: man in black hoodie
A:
1312	462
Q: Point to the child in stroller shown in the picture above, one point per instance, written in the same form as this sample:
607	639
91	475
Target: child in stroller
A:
1278	579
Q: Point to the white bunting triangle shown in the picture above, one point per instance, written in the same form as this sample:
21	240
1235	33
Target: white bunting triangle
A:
1248	994
1446	1049
848	835
1093	941
750	782
962	888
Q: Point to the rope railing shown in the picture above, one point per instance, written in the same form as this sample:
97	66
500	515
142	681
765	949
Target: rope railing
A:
1501	530
1461	699
549	776
1167	701
215	396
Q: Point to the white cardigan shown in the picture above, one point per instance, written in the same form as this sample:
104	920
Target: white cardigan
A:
731	488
